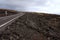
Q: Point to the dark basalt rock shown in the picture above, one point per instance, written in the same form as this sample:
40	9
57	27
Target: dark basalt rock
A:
33	26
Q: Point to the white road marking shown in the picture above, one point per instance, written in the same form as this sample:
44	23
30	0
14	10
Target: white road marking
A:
9	21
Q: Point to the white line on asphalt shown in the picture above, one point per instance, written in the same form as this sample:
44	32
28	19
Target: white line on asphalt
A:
8	21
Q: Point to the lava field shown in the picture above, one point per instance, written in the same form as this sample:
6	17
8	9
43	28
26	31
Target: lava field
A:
33	26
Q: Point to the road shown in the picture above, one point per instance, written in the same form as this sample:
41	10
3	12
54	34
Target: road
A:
7	20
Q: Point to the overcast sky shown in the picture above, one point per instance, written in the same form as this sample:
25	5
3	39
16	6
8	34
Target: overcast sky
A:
50	6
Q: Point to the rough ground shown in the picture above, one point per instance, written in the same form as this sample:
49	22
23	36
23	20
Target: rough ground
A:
33	27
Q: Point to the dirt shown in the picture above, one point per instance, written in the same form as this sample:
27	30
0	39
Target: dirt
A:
33	26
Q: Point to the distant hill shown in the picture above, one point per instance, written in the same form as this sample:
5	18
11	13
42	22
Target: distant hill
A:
9	12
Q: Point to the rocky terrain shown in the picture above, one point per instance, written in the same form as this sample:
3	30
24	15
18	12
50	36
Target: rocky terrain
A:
33	26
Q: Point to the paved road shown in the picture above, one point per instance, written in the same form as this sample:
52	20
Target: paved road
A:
7	20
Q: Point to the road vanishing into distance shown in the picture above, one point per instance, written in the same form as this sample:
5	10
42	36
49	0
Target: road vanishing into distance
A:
7	20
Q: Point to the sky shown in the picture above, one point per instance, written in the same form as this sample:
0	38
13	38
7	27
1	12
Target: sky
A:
48	6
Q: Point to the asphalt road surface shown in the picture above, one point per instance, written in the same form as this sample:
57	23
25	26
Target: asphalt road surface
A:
7	20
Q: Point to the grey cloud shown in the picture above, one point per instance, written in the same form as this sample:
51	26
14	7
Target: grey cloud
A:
13	7
31	5
12	4
41	2
21	4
